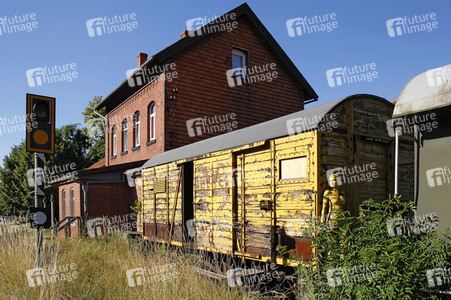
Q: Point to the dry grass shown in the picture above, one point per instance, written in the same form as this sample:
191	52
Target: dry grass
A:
100	265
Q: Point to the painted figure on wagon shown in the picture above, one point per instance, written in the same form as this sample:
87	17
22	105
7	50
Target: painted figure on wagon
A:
332	201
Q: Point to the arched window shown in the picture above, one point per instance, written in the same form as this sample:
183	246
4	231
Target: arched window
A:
114	141
72	202
63	204
152	115
136	129
124	135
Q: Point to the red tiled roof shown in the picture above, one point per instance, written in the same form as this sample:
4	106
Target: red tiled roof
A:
99	164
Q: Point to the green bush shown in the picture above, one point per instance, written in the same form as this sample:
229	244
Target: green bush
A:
379	266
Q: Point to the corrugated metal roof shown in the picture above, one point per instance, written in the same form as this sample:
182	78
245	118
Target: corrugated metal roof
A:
426	91
256	133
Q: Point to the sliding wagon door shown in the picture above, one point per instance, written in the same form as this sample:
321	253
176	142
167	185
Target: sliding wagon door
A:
253	203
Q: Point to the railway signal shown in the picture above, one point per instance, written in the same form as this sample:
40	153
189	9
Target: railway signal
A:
40	139
40	124
40	217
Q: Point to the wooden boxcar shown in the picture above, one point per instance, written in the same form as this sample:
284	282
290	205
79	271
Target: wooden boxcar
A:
247	192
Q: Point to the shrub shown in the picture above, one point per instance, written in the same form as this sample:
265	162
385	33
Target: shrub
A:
378	265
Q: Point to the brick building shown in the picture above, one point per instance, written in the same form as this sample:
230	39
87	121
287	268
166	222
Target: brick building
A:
224	75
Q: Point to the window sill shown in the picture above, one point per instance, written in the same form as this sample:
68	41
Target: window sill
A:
113	157
124	152
136	148
151	142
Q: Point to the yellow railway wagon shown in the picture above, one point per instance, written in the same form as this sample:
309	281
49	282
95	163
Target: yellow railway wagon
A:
247	192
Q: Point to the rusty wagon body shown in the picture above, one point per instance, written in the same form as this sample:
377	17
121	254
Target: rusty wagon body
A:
247	192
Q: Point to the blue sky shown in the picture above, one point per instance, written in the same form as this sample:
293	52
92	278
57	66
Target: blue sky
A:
61	38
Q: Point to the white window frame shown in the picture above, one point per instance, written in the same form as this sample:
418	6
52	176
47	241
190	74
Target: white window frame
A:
114	141
243	55
152	117
137	129
124	135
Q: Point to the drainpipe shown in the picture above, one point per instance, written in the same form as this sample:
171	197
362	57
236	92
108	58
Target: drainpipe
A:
164	113
107	135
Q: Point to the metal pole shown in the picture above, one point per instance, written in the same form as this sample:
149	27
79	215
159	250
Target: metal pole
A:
51	208
39	179
36	204
107	125
396	160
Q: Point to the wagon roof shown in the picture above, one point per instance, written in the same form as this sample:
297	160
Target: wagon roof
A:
264	131
426	91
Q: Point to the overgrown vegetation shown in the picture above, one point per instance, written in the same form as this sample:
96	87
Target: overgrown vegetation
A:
379	266
101	266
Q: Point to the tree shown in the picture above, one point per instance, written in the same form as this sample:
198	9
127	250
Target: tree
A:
95	129
72	145
75	149
14	187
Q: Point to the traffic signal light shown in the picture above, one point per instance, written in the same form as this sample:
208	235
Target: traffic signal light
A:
40	124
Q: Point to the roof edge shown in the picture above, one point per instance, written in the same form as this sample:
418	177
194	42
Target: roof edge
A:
243	9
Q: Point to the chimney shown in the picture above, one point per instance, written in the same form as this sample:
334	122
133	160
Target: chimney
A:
142	57
184	33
